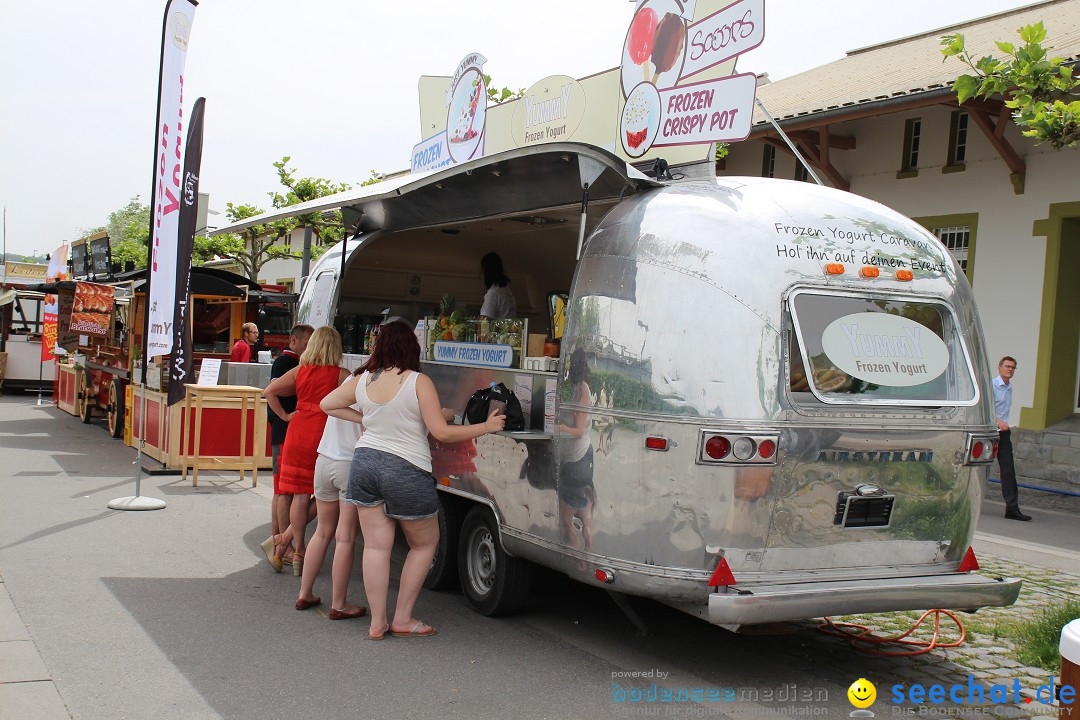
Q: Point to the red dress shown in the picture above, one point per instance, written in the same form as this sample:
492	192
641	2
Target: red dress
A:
313	383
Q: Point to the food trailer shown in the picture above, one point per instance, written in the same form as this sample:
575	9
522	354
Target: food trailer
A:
787	405
21	318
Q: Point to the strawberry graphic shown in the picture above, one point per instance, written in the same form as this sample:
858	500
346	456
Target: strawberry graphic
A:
634	140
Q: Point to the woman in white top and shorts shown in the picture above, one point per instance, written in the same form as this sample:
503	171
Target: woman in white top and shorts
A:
390	481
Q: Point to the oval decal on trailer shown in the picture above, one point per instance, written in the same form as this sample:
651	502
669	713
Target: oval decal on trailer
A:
885	349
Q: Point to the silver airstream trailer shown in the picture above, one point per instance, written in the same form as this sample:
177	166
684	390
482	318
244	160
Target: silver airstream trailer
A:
771	400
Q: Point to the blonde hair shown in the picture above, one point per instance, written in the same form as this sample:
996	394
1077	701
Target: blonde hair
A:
324	348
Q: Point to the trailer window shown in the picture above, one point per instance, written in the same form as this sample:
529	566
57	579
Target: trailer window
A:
847	349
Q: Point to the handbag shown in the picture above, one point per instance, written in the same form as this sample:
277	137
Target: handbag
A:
478	406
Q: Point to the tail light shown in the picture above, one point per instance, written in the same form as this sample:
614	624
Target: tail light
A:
981	449
722	447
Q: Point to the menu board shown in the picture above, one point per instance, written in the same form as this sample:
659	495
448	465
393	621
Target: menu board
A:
100	256
80	263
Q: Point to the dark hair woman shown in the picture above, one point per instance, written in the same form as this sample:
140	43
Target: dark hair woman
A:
390	482
499	300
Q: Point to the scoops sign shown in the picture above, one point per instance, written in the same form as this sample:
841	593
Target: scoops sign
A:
662	51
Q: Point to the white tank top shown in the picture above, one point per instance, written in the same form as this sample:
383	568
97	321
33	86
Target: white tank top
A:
395	427
339	437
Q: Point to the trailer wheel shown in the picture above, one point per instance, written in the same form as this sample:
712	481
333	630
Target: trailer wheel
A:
443	574
115	414
493	582
85	387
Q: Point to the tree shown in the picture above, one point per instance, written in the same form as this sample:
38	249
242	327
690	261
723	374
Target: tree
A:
1041	91
327	226
129	233
251	248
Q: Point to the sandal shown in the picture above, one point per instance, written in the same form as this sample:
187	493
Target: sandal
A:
379	636
297	564
420	629
302	604
277	558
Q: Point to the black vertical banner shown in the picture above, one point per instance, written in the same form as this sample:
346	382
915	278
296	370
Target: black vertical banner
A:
180	368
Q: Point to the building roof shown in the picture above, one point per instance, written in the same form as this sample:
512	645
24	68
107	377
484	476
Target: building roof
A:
913	65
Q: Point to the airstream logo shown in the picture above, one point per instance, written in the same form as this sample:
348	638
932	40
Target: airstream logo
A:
885	349
922	456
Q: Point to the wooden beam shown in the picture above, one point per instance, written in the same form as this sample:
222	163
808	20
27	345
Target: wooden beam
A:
1004	114
839	142
823	144
815	158
858	111
1012	160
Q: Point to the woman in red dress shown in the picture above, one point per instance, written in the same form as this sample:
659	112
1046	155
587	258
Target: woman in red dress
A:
317	375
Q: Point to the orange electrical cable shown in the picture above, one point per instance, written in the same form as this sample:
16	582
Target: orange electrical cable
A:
865	640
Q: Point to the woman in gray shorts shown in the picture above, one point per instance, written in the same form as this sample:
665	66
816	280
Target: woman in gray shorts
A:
390	482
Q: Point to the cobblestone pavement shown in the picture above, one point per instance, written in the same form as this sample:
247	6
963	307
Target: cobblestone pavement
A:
986	655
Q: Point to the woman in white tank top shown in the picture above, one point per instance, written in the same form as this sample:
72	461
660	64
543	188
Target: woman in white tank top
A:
390	483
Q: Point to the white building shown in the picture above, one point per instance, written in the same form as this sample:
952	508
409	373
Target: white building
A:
884	123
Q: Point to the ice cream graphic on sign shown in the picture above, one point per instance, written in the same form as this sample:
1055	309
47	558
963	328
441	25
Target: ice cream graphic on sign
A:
467	103
665	45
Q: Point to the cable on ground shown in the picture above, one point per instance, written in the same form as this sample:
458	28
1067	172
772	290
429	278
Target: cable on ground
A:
866	642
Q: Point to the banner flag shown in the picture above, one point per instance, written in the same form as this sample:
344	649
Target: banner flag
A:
50	331
167	178
180	366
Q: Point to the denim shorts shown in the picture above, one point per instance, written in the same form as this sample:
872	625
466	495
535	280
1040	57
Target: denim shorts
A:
380	478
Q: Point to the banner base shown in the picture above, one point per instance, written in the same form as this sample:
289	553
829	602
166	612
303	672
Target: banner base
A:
137	502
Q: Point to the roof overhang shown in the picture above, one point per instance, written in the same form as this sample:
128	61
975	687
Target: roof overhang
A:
515	181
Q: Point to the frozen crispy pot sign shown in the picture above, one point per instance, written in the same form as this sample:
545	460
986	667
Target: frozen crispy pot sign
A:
885	349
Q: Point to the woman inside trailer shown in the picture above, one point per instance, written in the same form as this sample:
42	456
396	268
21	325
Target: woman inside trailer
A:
499	300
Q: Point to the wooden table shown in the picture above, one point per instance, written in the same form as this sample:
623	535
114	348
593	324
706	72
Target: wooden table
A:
201	397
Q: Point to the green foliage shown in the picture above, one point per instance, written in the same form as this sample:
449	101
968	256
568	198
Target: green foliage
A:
327	226
500	95
250	248
129	233
1040	90
376	177
1037	639
722	150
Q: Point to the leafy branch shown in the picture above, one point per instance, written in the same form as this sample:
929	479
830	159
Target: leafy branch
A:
1041	91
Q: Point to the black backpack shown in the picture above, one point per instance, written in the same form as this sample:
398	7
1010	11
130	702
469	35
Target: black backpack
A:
477	408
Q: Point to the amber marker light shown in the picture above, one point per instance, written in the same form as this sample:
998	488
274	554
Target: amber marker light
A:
834	269
869	271
905	275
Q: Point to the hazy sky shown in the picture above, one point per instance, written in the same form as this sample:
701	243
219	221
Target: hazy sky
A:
331	83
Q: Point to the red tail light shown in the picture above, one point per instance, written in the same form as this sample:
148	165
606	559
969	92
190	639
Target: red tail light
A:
995	448
766	449
656	443
981	449
969	563
717	447
976	450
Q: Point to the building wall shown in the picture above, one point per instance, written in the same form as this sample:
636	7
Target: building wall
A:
1009	260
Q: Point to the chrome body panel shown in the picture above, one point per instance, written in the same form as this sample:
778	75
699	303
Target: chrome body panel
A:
680	300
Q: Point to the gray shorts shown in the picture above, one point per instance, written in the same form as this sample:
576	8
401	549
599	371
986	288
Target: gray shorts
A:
331	478
380	478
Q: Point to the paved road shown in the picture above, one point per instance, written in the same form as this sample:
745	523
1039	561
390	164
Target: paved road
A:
175	614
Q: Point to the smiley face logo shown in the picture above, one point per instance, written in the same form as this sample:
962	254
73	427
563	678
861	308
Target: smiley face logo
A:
862	693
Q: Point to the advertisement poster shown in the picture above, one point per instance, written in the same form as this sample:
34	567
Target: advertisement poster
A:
56	272
92	308
662	50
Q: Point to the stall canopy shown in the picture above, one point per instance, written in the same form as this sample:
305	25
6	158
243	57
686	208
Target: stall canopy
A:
204	281
516	181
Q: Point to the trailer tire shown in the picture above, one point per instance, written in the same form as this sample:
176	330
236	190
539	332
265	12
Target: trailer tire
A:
493	582
115	415
85	388
443	574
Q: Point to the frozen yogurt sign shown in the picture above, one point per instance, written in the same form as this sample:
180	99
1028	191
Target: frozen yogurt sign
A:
662	50
466	102
885	349
550	111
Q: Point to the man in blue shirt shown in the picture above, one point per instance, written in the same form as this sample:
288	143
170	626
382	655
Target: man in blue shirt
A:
1002	405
